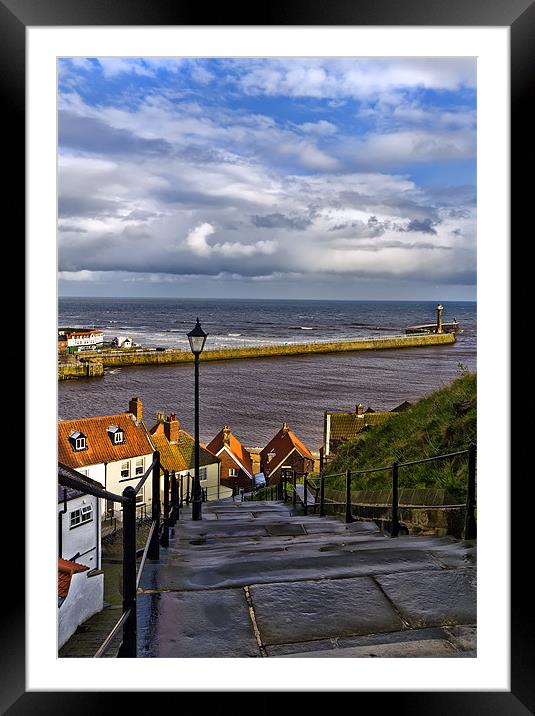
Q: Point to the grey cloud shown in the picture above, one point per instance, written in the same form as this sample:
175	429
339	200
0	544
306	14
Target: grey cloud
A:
93	135
282	221
86	205
425	226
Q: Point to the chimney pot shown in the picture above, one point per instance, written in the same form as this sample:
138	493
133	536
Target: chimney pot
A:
171	428
360	409
135	407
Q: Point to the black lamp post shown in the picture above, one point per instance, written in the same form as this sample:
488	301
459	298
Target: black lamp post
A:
197	338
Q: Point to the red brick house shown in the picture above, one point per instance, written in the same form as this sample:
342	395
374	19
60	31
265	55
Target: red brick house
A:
284	451
236	463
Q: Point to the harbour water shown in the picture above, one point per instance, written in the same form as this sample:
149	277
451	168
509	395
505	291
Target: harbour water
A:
255	397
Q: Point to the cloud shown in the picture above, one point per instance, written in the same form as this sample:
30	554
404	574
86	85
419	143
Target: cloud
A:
196	240
159	177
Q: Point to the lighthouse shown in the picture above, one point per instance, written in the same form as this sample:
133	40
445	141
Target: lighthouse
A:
439	318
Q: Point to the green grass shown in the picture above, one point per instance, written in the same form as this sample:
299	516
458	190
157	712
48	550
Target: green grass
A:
443	422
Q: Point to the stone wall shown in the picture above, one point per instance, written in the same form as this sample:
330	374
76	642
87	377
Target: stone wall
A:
437	516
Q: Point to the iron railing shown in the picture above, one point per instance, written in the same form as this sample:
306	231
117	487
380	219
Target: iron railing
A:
177	492
280	490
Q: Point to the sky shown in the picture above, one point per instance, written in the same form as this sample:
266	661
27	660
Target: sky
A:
267	178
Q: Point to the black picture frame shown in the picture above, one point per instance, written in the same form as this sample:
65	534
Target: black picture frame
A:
519	16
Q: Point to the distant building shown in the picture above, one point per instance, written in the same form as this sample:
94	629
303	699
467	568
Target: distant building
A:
81	339
284	452
177	453
236	463
114	450
339	428
122	342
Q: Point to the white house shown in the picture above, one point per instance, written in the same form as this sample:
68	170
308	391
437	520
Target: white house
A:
80	595
84	339
114	450
79	521
80	579
122	342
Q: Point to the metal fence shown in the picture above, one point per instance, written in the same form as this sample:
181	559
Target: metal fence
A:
280	490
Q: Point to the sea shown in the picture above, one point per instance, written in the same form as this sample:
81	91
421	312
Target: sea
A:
254	397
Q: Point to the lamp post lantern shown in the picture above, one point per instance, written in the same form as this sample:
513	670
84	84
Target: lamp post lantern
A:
197	338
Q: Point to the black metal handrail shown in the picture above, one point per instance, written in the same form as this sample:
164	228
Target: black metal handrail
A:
470	529
128	619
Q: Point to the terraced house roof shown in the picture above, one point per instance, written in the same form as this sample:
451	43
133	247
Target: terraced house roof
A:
180	456
234	446
99	445
284	442
346	426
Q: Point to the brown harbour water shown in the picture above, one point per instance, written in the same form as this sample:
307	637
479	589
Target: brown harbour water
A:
256	396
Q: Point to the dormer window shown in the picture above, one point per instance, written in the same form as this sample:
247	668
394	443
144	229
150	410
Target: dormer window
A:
116	435
78	440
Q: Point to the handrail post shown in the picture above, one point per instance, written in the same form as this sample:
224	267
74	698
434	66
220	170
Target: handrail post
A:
174	500
285	487
470	526
154	547
322	495
181	504
395	506
165	535
128	646
305	494
188	497
294	496
349	516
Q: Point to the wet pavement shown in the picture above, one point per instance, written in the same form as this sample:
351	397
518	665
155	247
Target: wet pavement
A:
256	580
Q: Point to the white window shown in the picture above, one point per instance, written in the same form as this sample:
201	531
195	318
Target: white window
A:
202	473
81	515
118	437
140	466
80	443
125	470
140	497
233	472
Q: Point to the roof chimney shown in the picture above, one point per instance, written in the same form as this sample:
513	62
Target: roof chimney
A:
285	427
135	407
360	409
226	434
171	428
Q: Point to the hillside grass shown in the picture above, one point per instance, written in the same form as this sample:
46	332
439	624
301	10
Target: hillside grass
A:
443	422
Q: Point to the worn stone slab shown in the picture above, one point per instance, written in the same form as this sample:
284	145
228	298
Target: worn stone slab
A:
201	624
429	648
265	567
302	611
433	598
286	530
436	633
464	637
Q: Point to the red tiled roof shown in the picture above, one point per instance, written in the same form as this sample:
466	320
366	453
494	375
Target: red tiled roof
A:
235	448
282	445
179	456
100	448
65	571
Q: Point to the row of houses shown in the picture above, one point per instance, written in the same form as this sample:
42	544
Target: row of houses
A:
115	451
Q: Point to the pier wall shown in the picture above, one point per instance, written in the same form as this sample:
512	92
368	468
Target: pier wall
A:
179	356
73	371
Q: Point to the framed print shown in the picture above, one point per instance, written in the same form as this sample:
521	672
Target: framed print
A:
295	183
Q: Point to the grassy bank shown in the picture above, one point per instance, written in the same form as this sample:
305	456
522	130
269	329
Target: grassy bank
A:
443	422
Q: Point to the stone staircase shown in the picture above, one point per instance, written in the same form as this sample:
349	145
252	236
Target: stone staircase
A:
254	580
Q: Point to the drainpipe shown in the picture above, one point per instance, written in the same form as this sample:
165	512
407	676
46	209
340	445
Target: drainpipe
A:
60	523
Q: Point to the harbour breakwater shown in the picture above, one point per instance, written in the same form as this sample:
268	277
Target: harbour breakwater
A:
113	359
